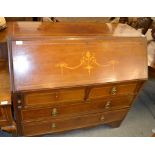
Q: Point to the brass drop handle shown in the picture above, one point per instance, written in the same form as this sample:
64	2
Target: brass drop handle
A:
102	118
19	104
88	101
54	112
108	104
53	125
114	90
19	101
56	95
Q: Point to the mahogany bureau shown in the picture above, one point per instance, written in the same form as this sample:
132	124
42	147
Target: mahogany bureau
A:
67	76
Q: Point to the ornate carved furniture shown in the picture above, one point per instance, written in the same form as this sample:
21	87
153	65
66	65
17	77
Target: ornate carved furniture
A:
66	76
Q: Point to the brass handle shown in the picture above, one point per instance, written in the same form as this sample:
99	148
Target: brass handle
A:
113	90
87	101
19	101
19	107
53	125
102	118
19	104
54	112
108	104
56	95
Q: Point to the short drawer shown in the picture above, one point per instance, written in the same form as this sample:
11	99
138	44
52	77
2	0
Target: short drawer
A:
113	90
44	127
50	97
76	109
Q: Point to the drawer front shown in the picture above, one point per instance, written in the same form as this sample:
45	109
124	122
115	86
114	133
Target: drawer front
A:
113	90
37	128
76	109
50	97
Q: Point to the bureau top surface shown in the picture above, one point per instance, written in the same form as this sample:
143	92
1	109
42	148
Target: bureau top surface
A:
35	29
56	62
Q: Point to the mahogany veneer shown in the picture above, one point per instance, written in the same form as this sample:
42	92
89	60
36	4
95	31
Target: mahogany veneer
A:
72	75
54	125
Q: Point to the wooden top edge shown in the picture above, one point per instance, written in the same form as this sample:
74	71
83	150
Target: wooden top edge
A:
34	29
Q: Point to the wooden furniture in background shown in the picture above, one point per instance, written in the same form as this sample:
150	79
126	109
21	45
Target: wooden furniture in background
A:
66	76
6	119
6	109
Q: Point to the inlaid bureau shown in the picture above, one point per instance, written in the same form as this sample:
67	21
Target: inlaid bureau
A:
67	76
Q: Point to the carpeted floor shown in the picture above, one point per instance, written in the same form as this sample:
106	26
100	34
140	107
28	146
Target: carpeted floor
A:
139	122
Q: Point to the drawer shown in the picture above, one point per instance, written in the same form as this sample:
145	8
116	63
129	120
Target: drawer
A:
113	90
38	128
76	109
50	97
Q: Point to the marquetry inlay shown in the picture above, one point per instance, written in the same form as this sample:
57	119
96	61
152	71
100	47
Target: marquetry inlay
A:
88	61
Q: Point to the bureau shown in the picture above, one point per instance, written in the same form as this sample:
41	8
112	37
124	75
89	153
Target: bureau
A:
66	76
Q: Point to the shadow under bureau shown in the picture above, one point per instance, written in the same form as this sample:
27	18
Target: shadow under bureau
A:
71	76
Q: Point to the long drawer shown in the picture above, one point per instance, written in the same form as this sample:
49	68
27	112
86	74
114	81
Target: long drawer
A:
51	97
75	109
44	127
